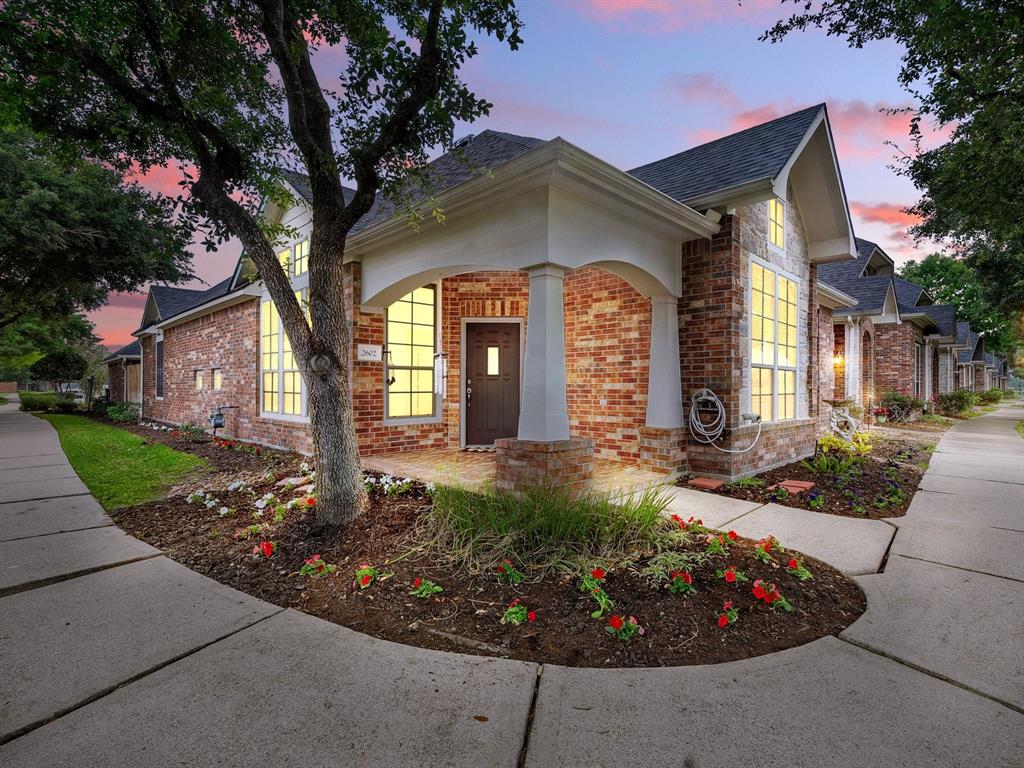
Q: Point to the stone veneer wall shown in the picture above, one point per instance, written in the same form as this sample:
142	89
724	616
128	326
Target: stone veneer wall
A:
827	374
715	341
839	347
894	357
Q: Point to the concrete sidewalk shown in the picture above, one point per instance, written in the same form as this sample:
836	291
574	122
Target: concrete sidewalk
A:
116	656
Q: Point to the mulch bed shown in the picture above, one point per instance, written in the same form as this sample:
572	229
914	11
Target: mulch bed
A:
466	616
904	456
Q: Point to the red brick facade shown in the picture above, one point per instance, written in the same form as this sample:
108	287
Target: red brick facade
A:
894	349
608	336
115	381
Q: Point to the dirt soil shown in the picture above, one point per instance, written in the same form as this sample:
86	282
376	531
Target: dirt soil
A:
466	616
898	459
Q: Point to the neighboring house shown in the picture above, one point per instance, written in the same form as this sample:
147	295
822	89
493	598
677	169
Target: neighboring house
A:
894	338
976	367
565	309
124	374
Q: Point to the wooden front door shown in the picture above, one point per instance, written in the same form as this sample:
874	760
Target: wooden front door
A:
491	382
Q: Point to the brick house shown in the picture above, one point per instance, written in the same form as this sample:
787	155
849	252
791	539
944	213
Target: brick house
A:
124	374
564	310
894	338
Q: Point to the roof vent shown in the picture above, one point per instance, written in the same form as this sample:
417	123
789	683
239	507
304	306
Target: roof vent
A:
463	141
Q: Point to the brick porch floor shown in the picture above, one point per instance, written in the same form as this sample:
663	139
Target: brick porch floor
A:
471	469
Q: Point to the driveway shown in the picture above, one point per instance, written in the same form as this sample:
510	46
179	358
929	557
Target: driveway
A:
114	655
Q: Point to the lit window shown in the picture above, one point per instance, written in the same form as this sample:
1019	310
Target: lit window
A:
285	257
283	391
493	361
777	223
774	303
199	379
301	262
218	379
411	343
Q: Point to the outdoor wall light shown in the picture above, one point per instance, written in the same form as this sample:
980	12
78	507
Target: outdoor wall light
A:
837	359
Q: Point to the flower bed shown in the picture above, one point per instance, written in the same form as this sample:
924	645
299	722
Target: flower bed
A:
875	485
382	576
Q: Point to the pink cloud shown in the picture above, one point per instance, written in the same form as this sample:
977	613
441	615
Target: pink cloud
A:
889	214
135	301
704	87
663	16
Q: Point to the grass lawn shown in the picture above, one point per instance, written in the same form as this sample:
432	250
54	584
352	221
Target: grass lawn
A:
4	400
1020	428
117	466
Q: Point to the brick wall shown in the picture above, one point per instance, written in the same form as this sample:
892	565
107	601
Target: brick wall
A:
115	381
822	367
894	357
714	341
839	347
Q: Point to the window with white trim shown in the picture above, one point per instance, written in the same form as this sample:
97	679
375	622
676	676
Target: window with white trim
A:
411	342
774	301
218	379
777	222
300	261
160	366
282	390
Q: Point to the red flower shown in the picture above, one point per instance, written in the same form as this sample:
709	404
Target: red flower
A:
416	583
596	590
687	577
615	622
679	520
723	621
531	616
365	581
267	548
727	605
772	598
598	573
310	501
759	592
500	569
793	564
313	559
515	601
732	535
730	576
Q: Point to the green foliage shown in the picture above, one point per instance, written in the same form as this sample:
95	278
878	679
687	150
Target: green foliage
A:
545	528
838	465
118	467
991	396
659	569
859	446
424	588
747	482
37	401
59	368
26	340
957	401
952	281
79	230
902	407
191	432
961	64
123	412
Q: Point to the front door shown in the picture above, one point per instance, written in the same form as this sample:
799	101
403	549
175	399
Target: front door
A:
491	382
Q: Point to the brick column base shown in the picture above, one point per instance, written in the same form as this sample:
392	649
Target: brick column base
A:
663	449
524	464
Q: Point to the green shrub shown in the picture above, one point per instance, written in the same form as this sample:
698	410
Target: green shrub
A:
902	407
191	432
63	404
991	396
545	528
100	405
123	412
37	401
957	401
838	465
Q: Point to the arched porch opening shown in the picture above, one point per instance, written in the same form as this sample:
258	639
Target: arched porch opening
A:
867	370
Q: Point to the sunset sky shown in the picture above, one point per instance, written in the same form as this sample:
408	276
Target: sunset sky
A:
635	80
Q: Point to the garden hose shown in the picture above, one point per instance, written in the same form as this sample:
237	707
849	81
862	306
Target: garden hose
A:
708	432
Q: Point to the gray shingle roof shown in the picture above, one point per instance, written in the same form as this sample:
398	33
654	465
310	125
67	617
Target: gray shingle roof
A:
485	151
134	349
908	294
756	153
172	301
944	317
964	335
865	248
840	273
870	293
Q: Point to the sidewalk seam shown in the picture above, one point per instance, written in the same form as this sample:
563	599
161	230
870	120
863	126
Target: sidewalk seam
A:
39	583
961	568
530	716
47	498
128	681
57	533
930	673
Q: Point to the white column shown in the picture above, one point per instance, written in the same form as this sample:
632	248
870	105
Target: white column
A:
664	376
853	361
926	366
543	414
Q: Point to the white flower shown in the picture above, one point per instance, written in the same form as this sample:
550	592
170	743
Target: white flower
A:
304	467
431	487
224	511
261	504
211	503
258	513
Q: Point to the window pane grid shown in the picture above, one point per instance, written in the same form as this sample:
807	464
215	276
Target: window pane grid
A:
300	262
281	380
773	344
777	223
411	343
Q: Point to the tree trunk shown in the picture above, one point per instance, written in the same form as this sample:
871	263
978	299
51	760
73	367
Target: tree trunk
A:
339	476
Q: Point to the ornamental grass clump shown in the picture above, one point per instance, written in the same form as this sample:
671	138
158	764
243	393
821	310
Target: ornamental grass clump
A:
545	528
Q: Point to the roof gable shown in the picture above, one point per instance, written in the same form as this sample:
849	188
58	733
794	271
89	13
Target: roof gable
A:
759	152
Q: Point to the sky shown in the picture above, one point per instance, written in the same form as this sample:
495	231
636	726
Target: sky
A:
633	81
